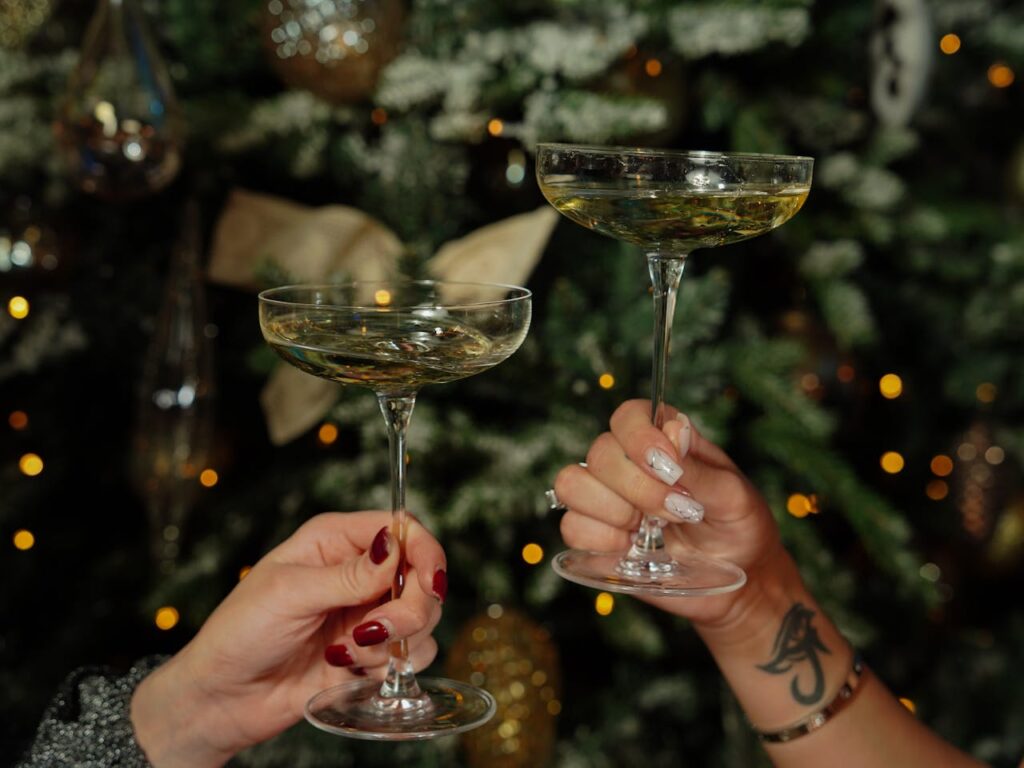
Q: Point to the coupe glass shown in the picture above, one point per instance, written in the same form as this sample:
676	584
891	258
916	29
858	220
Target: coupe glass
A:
669	203
394	337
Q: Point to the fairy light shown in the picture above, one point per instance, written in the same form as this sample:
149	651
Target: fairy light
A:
941	465
937	490
652	67
24	540
949	44
533	553
985	392
30	464
604	603
606	381
209	477
495	126
327	434
891	386
18	420
801	505
382	298
379	116
995	455
1000	75
892	462
810	382
845	373
166	617
930	572
17	307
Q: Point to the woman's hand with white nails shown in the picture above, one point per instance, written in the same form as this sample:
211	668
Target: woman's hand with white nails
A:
677	474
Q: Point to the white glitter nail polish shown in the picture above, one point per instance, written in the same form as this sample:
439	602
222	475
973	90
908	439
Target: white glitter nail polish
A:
666	469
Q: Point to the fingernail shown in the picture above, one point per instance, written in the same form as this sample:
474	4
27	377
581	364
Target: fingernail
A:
666	469
359	671
684	508
337	656
684	434
379	548
370	633
440	584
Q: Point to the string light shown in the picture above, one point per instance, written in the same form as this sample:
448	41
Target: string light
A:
949	44
1000	75
937	490
985	392
995	455
533	553
166	617
17	307
604	603
941	465
495	126
379	116
606	381
845	373
892	462
810	382
327	434
495	611
209	477
18	420
652	67
891	386
24	540
800	505
30	464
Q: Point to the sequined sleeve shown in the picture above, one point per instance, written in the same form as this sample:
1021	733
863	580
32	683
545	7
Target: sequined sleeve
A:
87	725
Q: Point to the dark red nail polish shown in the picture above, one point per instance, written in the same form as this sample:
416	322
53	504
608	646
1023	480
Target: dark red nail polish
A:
370	633
379	547
440	584
337	656
358	671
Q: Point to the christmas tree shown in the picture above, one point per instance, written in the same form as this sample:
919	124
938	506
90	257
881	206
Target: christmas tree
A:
862	364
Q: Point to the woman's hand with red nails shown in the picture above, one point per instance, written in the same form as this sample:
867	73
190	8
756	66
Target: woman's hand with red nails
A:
289	629
680	476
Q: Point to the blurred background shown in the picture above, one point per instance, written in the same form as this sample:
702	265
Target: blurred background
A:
161	162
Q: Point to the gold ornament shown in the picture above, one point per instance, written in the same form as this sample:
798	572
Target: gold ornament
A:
21	19
512	657
333	48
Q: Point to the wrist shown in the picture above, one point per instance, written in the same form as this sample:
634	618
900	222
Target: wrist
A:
170	718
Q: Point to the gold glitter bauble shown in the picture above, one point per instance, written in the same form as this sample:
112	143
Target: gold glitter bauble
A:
21	19
333	48
514	658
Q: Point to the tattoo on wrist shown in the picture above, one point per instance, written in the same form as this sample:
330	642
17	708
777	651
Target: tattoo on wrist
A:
797	642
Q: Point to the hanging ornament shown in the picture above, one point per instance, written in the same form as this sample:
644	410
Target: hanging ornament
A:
119	126
333	48
901	58
21	19
512	657
175	409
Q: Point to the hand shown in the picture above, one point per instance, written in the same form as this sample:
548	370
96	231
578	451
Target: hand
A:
607	498
260	656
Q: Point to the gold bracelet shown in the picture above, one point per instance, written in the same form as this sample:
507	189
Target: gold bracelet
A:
816	720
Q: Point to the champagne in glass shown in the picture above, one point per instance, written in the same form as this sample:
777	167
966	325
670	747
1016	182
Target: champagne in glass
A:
669	203
395	337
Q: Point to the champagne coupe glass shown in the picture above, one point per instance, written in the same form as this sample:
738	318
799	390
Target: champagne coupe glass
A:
669	203
394	337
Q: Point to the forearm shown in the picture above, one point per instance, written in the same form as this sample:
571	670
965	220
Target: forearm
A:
784	660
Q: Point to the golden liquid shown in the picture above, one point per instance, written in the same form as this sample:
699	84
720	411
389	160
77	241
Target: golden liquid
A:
392	353
676	217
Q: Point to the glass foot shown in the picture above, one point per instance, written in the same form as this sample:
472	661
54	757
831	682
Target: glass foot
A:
688	576
356	710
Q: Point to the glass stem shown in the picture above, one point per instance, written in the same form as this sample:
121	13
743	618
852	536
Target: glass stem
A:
400	681
647	554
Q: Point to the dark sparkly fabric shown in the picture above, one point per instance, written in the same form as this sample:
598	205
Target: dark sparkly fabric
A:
87	725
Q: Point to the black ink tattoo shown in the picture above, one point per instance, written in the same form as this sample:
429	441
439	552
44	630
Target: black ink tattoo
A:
798	641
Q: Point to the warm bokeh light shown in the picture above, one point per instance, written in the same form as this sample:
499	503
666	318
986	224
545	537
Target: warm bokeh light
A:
17	307
24	540
554	707
1000	75
937	490
606	381
166	617
18	420
942	465
949	44
995	455
604	603
244	571
30	464
985	392
802	505
652	67
891	386
892	462
327	434
382	298
810	382
495	127
209	478
908	704
379	116
533	553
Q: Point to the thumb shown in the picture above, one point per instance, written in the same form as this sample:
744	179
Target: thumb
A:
354	581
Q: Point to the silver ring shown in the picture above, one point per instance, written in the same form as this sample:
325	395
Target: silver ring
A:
554	504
